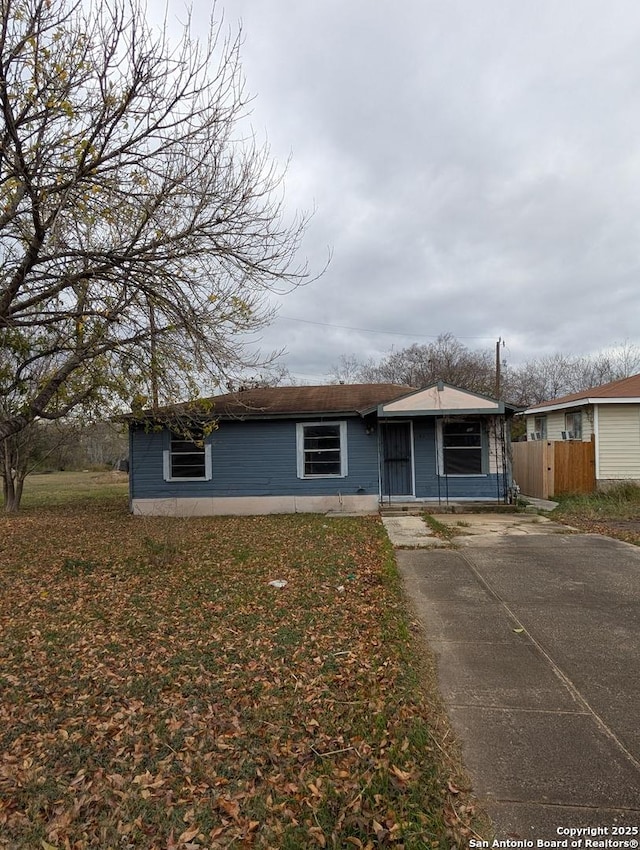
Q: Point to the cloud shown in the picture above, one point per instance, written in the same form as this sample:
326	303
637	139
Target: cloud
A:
474	168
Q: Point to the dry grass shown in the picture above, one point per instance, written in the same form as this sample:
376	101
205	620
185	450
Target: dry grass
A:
57	487
615	513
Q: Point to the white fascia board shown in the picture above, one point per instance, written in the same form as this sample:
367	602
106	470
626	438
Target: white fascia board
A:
549	407
581	402
635	400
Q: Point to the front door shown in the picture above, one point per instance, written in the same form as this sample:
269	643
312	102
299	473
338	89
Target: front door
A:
397	459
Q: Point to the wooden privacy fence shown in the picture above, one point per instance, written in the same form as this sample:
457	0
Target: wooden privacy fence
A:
544	468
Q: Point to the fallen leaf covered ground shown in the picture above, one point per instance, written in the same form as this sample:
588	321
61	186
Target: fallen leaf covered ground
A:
626	530
158	693
614	513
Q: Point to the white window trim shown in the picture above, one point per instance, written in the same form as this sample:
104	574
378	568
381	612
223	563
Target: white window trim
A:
543	429
440	450
344	465
166	465
573	414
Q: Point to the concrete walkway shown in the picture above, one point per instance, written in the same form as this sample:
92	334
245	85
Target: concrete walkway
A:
410	532
537	639
541	504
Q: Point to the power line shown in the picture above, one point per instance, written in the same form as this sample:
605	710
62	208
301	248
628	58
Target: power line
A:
374	330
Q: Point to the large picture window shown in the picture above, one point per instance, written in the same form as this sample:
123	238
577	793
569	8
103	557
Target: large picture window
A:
462	447
322	449
187	460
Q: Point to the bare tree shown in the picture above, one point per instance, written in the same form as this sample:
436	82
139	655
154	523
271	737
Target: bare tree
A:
348	370
543	378
623	360
276	375
559	374
445	359
140	230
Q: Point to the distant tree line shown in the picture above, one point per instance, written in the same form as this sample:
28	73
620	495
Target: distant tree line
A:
449	360
53	446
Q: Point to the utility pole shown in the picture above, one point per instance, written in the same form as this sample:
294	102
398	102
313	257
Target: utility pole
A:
498	367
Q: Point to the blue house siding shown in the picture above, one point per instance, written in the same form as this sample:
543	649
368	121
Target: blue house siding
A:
428	485
145	463
253	458
424	448
258	458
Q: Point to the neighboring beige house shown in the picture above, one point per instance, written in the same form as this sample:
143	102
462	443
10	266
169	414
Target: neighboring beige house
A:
609	415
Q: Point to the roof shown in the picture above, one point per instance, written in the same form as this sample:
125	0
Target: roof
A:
623	390
354	399
330	400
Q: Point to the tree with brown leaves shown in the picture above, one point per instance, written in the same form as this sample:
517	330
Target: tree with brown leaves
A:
141	228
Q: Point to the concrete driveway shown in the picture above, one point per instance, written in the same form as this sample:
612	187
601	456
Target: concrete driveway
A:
537	639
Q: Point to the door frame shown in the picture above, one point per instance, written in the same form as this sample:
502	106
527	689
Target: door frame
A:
412	464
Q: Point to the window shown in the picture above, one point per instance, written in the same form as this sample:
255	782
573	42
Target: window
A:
187	460
322	449
540	427
462	447
573	425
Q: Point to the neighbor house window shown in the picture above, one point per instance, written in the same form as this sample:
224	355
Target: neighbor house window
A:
187	460
322	449
540	427
573	425
462	447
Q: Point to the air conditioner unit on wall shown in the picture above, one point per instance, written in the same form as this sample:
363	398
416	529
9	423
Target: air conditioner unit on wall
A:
565	435
532	436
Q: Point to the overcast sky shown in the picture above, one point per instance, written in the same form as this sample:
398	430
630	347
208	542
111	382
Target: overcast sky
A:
474	167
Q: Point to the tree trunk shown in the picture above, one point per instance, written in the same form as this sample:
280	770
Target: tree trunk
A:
12	497
12	480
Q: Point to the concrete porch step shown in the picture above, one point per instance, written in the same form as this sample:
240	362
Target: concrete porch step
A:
417	508
402	509
407	512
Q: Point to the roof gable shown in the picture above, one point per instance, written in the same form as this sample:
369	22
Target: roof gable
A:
441	398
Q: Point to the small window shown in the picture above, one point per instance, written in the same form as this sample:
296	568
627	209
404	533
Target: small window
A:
322	450
187	460
462	447
540	427
573	425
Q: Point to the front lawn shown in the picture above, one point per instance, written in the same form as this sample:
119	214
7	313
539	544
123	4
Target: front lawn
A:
157	692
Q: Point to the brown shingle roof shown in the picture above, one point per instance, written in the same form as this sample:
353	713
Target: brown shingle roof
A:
261	402
334	398
624	388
